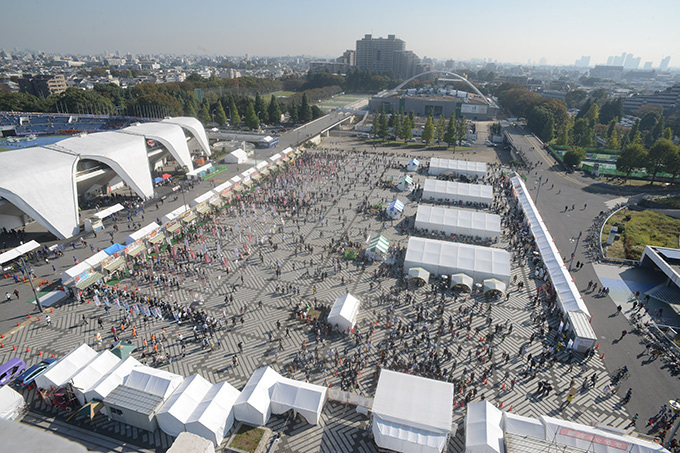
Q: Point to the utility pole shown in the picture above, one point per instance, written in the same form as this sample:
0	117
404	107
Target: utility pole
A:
29	274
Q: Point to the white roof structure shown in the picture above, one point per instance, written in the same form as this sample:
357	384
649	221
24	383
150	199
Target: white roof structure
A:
78	269
523	426
41	181
201	198
236	157
395	208
491	284
16	252
176	411
214	415
413	164
462	279
344	312
112	379
419	273
62	371
10	403
262	396
141	233
170	216
151	380
439	166
197	171
483	428
90	374
171	136
104	213
458	221
412	413
195	128
441	257
435	189
405	184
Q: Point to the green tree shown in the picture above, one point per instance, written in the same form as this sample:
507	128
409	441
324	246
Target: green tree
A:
441	129
383	127
428	130
574	156
407	128
274	111
234	117
251	120
294	112
220	116
657	156
672	164
582	133
593	114
575	98
374	126
305	109
397	128
668	133
450	135
203	113
632	158
261	109
563	135
613	141
461	129
189	109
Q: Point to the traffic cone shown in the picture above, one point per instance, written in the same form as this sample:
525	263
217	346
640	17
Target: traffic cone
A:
510	410
39	352
27	350
29	315
14	348
18	323
39	318
51	310
597	346
2	336
2	345
602	356
52	355
501	404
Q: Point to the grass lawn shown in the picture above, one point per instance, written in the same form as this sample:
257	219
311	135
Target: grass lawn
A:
247	438
673	202
639	229
281	94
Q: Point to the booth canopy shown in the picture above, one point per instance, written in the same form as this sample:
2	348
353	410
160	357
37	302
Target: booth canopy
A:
405	183
412	164
16	252
142	233
214	416
344	312
463	280
176	411
62	371
419	273
483	428
91	373
115	248
378	244
458	221
491	284
457	191
441	258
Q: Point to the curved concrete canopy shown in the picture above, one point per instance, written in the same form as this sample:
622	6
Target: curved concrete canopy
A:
124	153
437	71
195	127
42	183
169	135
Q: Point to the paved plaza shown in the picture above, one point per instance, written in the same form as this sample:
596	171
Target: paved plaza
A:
304	249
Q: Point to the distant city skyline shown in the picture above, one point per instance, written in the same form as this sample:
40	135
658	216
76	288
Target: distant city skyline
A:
507	32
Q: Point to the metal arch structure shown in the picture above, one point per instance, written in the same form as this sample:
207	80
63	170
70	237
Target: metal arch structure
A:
437	71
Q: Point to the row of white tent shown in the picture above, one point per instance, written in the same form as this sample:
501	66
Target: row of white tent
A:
458	221
192	404
490	430
439	166
446	258
568	296
448	191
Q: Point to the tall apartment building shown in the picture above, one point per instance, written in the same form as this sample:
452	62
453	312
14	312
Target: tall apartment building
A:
43	85
388	55
669	99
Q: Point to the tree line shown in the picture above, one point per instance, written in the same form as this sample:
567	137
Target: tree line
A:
401	127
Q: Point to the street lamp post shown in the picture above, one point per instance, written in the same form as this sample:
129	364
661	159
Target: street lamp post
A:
29	274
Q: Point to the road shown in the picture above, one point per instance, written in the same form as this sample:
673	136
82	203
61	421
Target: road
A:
652	386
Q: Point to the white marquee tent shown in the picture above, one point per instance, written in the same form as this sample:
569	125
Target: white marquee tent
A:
405	184
214	416
458	221
491	284
154	381
435	189
483	428
236	157
141	233
304	398
176	411
344	312
394	209
441	258
61	372
11	403
377	245
440	166
463	280
95	369
418	273
112	379
413	164
412	414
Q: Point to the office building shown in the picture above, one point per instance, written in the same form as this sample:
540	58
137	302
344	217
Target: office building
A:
43	85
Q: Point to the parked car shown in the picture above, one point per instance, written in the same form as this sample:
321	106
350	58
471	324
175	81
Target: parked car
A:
11	369
27	377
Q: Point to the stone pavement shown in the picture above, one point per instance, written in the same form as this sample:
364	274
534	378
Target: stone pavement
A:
341	428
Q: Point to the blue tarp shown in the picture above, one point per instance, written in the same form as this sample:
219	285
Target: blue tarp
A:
157	180
114	249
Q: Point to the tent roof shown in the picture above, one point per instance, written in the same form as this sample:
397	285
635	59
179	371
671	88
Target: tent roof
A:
154	381
419	272
483	428
458	190
525	426
10	400
182	403
345	307
16	252
115	248
99	366
491	284
97	258
406	179
462	279
61	372
482	223
379	243
213	410
142	232
112	379
396	205
414	161
414	401
464	167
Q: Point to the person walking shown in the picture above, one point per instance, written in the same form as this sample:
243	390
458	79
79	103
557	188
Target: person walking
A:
623	334
48	320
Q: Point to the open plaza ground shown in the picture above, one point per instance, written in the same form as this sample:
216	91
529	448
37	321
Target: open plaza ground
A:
239	280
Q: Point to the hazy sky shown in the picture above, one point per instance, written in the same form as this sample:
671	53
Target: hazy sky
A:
507	31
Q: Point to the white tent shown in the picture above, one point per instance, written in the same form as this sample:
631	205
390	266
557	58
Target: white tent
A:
236	157
412	414
457	191
151	380
214	416
462	280
304	398
523	426
97	258
112	379
268	392
11	403
344	312
441	258
491	284
176	411
405	184
141	233
413	164
394	209
419	273
483	428
61	372
440	166
90	374
458	221
377	245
